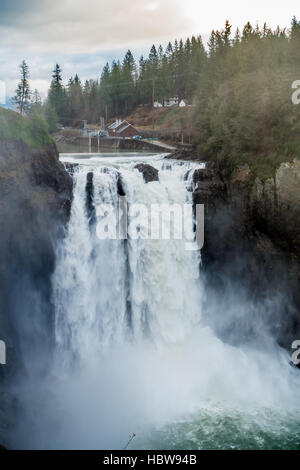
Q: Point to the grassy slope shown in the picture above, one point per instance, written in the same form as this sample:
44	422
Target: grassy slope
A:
166	120
30	130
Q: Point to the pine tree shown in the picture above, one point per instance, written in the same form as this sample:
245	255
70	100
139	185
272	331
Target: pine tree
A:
51	117
295	31
153	63
22	98
36	103
128	83
75	99
115	88
212	43
36	98
247	31
57	94
104	92
142	83
169	51
226	33
237	37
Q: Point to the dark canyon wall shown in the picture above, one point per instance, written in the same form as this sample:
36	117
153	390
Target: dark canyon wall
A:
35	197
252	250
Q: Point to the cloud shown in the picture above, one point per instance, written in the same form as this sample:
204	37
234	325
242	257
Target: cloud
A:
82	35
90	26
14	10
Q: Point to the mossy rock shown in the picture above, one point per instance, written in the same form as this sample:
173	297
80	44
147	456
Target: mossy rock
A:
32	130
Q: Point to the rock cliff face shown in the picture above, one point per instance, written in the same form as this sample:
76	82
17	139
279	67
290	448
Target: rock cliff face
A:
35	195
252	243
35	199
276	203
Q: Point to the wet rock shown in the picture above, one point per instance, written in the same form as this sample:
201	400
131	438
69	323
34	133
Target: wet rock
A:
35	200
188	155
120	186
89	194
71	167
203	174
90	177
209	189
150	174
275	206
187	175
167	166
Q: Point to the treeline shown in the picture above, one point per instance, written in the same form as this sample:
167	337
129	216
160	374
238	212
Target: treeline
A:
241	88
173	72
244	111
123	86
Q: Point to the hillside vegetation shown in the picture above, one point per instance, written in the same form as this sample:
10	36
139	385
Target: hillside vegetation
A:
167	123
32	130
244	110
240	89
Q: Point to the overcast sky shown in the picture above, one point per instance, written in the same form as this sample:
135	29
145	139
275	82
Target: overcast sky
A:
82	35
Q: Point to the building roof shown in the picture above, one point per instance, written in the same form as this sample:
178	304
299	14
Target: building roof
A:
116	124
121	129
119	126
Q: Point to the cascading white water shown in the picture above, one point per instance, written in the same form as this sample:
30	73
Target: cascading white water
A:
90	278
132	351
163	287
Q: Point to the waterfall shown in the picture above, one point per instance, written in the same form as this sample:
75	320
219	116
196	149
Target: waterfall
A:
109	291
133	352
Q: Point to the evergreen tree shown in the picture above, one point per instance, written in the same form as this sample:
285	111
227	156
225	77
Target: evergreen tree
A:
75	100
244	112
104	92
142	83
36	102
57	94
226	34
51	117
153	66
212	43
115	88
22	97
128	91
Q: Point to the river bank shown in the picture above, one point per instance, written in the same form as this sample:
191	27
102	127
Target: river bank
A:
95	144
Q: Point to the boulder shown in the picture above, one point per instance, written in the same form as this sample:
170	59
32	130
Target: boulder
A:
150	174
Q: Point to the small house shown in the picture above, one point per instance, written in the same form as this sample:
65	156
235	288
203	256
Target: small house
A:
171	102
122	129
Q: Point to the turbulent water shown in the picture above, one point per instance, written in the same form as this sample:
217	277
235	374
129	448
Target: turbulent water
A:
132	352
